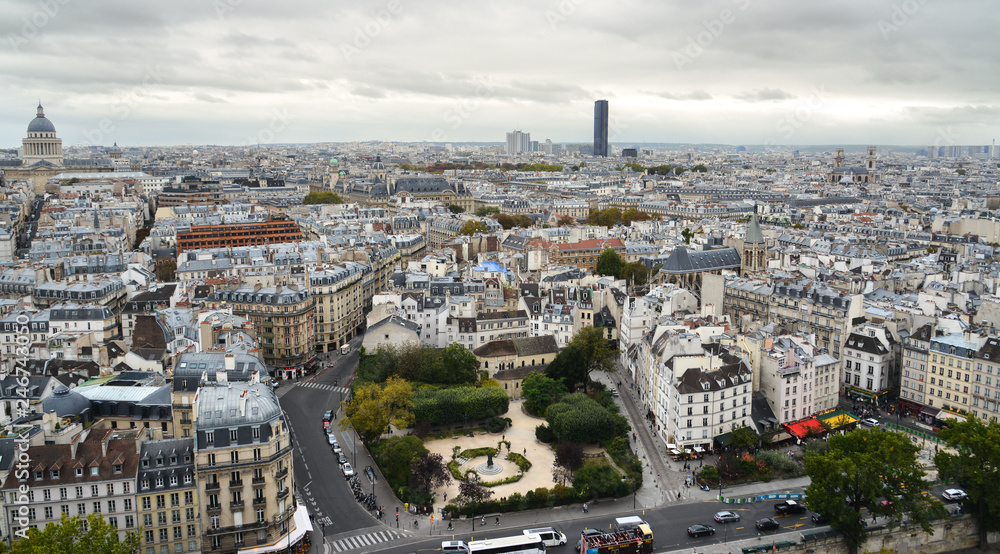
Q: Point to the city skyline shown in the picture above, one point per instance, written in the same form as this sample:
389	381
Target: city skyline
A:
729	72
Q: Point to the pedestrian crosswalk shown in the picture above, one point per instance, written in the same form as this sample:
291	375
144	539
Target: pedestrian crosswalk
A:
323	386
366	540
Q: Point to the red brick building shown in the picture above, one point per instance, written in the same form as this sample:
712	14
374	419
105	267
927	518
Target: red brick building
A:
239	234
583	254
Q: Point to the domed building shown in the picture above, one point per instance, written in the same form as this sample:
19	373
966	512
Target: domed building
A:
378	188
41	146
66	402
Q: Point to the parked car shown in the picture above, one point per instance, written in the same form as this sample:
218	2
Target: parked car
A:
336	449
587	533
819	519
727	516
786	507
869	422
700	531
347	469
327	416
331	439
767	524
954	495
341	459
326	426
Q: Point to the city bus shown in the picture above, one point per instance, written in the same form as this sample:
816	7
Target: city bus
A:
521	544
344	350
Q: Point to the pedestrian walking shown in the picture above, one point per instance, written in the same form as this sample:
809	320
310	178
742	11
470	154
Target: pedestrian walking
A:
498	520
445	497
525	451
585	508
483	521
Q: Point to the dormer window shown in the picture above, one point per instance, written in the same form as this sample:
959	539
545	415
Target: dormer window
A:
145	463
39	475
159	461
173	460
159	482
54	473
145	483
94	470
118	468
78	472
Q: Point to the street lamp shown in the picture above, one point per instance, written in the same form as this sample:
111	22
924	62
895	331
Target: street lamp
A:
355	454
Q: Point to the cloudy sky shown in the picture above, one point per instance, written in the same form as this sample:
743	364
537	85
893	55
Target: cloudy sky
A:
722	71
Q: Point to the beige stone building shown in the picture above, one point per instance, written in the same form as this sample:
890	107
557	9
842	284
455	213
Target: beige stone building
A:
284	317
340	304
243	464
167	495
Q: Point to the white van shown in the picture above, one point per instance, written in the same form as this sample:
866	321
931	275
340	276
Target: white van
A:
549	535
454	547
628	523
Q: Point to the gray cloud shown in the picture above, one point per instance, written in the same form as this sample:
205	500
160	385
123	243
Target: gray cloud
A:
535	64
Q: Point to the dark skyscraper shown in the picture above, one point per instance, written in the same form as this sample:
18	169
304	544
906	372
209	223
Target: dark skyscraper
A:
601	128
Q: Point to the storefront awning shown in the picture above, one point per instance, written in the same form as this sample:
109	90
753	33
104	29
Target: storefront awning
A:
302	526
930	410
780	437
943	415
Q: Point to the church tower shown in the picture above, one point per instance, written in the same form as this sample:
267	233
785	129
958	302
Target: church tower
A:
41	144
838	160
754	248
870	163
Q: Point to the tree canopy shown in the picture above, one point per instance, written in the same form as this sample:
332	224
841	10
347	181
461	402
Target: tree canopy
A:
372	408
455	208
540	167
452	365
866	465
67	536
540	392
485	211
581	419
976	467
472	227
589	350
609	263
508	221
325	197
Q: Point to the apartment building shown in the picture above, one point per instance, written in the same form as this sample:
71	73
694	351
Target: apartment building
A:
243	460
952	366
915	359
340	305
986	381
871	362
192	367
473	332
167	494
798	379
94	474
711	395
284	317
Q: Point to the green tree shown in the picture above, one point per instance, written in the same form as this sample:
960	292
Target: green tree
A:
632	214
635	272
605	218
455	208
976	465
700	168
541	167
325	197
745	439
609	263
568	367
540	392
395	456
563	220
165	270
960	171
486	211
472	227
587	351
635	167
579	418
372	408
68	536
866	465
687	233
456	365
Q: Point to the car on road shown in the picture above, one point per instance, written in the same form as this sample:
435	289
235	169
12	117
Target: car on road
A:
341	459
869	422
726	517
336	449
767	524
347	469
327	416
614	392
819	519
954	495
786	507
700	531
587	533
326	426
331	439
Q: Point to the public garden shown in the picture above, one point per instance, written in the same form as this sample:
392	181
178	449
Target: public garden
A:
448	439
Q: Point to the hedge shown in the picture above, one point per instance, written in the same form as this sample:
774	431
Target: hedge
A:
455	404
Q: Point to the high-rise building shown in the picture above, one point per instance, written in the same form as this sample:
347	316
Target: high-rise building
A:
601	128
518	142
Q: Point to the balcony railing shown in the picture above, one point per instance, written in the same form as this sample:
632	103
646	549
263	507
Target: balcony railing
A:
214	507
258	480
213	486
282	494
258	502
281	473
236	505
236	484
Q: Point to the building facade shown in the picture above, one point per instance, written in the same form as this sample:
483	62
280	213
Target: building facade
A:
167	495
239	234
